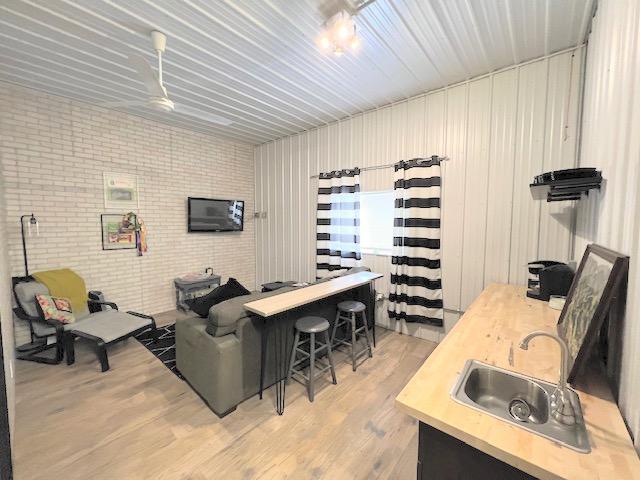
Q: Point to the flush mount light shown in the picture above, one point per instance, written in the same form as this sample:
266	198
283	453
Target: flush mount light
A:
339	35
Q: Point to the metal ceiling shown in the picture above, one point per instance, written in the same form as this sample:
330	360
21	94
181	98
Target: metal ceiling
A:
255	61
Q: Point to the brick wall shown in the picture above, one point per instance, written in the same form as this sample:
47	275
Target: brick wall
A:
54	152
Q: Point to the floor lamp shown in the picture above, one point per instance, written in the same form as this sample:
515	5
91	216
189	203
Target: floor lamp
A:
32	222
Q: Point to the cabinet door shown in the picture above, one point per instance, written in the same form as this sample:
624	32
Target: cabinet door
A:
443	457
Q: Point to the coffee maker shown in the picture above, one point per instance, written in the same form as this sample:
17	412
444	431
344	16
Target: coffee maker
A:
547	278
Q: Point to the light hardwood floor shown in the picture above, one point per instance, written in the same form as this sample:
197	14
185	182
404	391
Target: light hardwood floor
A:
139	421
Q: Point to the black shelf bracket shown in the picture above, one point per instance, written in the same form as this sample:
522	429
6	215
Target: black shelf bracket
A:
565	185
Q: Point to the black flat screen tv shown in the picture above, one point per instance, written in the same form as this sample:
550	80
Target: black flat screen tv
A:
211	215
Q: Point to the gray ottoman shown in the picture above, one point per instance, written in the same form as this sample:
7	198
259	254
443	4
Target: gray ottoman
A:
106	328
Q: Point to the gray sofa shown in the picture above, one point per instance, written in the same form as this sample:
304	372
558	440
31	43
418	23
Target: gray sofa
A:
220	355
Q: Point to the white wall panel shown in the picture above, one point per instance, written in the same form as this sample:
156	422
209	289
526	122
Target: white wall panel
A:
453	193
312	201
436	115
356	146
280	260
493	131
370	148
611	142
416	117
288	214
501	183
272	211
560	145
476	190
398	132
261	241
529	143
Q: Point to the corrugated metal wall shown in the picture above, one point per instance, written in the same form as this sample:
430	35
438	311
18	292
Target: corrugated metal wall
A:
611	142
498	132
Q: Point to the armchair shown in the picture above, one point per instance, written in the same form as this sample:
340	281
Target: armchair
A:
25	290
101	323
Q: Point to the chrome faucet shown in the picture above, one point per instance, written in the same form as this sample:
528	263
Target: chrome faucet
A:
561	407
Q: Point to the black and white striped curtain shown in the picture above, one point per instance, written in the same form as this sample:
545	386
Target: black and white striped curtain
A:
338	222
416	281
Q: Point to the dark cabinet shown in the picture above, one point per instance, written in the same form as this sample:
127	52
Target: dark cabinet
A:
443	457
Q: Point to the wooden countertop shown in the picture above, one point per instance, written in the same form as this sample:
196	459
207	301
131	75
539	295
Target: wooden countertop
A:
489	330
269	306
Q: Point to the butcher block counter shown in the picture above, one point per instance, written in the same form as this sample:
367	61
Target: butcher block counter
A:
490	331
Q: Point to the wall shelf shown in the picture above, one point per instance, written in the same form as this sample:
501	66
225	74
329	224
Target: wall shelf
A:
564	185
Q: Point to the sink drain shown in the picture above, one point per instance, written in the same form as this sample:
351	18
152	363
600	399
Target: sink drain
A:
520	410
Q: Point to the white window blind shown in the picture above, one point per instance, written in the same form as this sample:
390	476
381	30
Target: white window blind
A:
376	222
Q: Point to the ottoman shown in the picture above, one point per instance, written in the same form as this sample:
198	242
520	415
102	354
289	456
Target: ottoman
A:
105	328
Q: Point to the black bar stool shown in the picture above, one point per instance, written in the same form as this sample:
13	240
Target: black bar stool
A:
311	326
348	315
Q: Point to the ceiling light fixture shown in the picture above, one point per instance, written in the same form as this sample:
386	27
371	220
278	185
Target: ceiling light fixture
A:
339	34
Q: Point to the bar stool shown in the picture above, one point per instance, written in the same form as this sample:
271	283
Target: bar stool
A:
311	326
348	314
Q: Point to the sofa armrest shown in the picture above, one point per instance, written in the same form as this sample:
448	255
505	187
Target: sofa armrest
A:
249	328
213	366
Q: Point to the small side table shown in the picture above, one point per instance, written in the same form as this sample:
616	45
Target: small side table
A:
187	289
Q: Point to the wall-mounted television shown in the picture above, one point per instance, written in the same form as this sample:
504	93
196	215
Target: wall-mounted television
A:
211	215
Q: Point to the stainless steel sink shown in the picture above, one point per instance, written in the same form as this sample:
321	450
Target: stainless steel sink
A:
519	400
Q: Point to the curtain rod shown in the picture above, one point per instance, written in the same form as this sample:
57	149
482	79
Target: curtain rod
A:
388	165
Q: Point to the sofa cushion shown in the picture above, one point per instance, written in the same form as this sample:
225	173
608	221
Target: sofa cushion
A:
224	316
231	289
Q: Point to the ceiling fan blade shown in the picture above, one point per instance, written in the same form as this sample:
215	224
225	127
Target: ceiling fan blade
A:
202	115
125	103
147	75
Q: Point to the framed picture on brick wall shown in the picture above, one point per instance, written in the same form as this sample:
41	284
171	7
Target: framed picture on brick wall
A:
117	233
120	191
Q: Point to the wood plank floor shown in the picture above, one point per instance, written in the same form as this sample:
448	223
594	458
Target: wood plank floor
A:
139	421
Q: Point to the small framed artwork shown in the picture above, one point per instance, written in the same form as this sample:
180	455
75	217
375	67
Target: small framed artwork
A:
117	233
597	282
120	191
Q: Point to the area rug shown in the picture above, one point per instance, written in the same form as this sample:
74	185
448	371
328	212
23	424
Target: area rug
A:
165	349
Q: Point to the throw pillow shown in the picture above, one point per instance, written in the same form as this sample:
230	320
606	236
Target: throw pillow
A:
55	308
231	289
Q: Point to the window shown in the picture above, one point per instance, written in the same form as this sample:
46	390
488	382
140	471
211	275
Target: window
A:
376	222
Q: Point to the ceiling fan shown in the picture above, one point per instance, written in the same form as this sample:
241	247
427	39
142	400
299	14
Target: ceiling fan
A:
158	98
